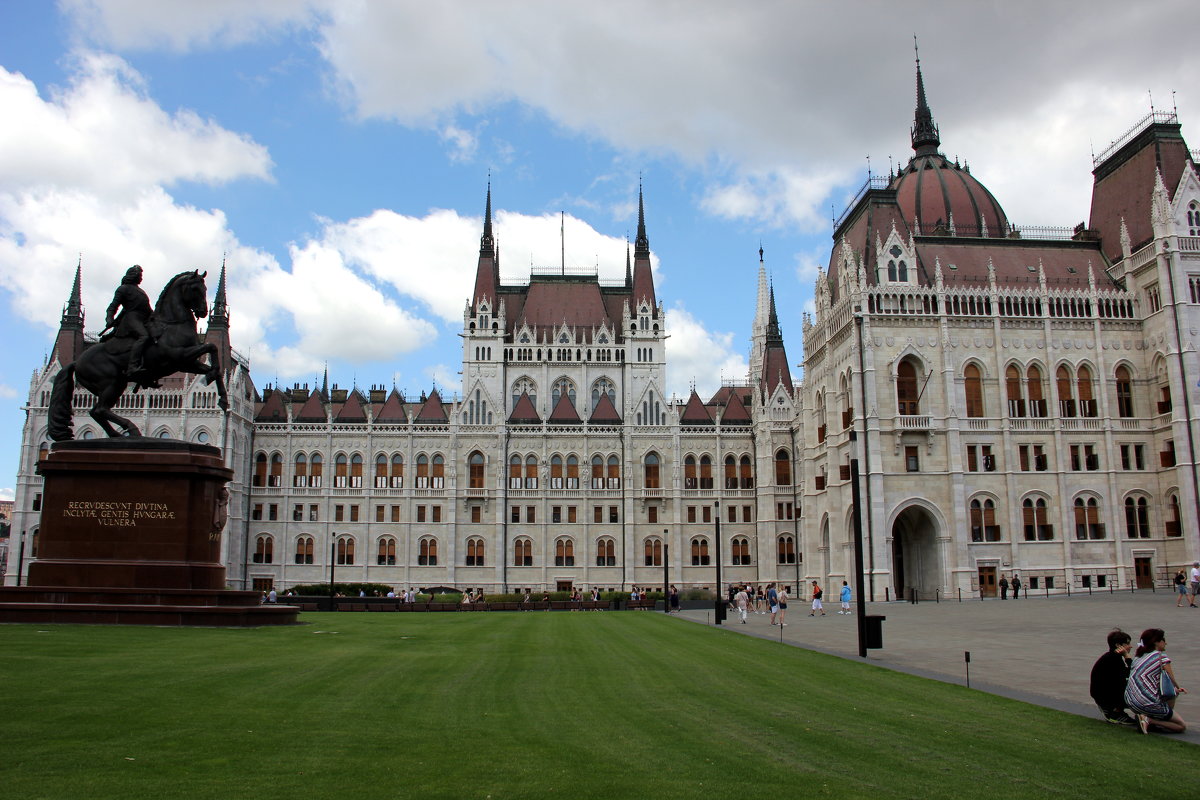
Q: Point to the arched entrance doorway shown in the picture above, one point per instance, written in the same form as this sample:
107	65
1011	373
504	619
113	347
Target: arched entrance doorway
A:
915	562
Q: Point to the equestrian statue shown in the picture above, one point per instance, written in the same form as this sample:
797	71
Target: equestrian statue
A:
138	346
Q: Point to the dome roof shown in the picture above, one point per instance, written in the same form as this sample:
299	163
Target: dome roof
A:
936	193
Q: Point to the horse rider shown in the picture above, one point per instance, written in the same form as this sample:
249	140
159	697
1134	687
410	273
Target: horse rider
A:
135	313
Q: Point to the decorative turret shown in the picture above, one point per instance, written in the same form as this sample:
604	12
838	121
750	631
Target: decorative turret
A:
775	369
69	344
643	279
487	273
218	325
758	330
925	139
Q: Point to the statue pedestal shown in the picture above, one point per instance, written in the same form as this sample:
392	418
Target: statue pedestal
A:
127	536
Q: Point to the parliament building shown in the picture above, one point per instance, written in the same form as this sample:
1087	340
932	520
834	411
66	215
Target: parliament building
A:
1015	399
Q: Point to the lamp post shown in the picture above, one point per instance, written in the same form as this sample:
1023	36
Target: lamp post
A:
666	574
861	614
332	569
20	557
719	609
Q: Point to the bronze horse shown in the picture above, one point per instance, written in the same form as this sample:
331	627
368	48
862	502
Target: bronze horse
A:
175	347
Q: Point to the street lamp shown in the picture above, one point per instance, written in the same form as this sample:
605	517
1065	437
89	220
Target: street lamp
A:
719	609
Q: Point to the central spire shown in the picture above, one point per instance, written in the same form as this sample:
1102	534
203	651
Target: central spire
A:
641	245
487	243
924	132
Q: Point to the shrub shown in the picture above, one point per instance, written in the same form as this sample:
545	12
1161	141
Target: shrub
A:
345	589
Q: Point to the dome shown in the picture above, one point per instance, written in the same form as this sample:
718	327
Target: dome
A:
937	192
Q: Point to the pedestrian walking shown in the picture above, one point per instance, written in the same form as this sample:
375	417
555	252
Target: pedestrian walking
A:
773	601
741	600
783	598
1016	586
1195	583
845	598
1003	587
816	600
1181	588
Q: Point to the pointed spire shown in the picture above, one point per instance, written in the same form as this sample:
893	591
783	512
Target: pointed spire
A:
487	242
220	309
68	346
73	311
628	268
325	383
924	132
641	243
774	335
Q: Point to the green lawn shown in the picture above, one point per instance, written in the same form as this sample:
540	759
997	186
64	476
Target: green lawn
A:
578	705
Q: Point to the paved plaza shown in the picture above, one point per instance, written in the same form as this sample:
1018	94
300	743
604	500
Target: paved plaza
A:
1038	650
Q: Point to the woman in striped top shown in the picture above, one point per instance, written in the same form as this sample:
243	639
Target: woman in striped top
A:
1152	687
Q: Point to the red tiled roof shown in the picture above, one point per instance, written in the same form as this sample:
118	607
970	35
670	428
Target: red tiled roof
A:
776	370
272	409
564	412
432	410
723	395
549	304
605	412
352	410
313	410
392	409
735	411
695	412
524	412
932	188
1012	259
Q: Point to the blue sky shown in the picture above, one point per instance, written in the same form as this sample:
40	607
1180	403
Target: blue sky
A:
339	152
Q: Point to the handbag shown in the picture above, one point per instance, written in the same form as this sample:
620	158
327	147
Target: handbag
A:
1166	687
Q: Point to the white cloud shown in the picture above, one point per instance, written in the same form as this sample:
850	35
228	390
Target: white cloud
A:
446	378
764	93
102	134
463	143
7	391
697	354
7	493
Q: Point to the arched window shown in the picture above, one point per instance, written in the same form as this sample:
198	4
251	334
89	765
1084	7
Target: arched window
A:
786	548
1035	391
741	551
983	520
523	552
260	470
651	477
1034	522
304	550
316	465
730	475
613	473
906	388
386	554
276	478
1124	392
973	384
1172	525
897	267
689	472
531	472
564	552
1137	518
427	553
300	471
422	471
783	468
514	472
746	473
1012	388
524	385
706	476
652	550
572	472
1087	519
381	471
562	386
356	471
264	550
1087	401
597	471
700	557
475	552
341	471
438	479
345	550
603	386
1066	393
556	471
475	464
606	552
397	471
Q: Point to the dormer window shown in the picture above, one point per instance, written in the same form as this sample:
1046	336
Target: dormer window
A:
562	339
1193	219
603	339
524	338
897	266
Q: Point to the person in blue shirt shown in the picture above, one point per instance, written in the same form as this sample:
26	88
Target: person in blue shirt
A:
845	598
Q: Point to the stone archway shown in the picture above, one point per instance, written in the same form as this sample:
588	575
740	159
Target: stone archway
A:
915	555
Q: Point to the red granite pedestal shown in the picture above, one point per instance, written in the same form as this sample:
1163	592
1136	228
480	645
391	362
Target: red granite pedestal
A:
127	537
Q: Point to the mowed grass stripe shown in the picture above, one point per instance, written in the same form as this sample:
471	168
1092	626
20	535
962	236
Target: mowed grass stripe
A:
517	705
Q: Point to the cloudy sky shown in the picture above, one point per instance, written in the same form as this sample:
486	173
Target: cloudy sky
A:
338	152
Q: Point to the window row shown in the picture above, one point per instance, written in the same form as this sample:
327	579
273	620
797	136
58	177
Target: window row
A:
343	550
1086	518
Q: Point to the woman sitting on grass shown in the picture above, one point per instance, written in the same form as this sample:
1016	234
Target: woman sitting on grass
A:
1152	688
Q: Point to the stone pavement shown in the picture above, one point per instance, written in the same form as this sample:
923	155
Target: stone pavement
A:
1012	642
